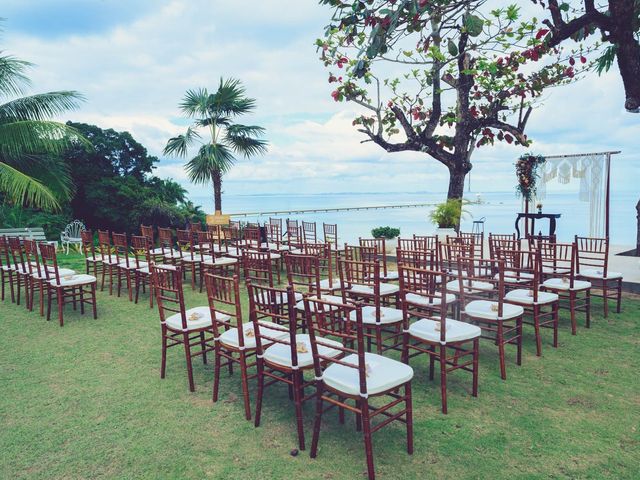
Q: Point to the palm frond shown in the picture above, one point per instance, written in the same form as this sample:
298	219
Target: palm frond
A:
42	106
242	138
195	103
51	171
210	157
13	80
21	189
36	137
230	100
179	145
217	121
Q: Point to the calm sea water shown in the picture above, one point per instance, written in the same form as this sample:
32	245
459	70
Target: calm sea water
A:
499	210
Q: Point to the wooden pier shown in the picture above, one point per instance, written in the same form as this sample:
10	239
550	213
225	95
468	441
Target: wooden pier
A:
327	210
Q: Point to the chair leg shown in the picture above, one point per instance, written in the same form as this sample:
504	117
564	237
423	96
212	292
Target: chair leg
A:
128	274
203	348
42	284
476	355
50	291
61	306
572	310
297	398
81	290
187	352
93	300
536	326
216	372
588	308
619	295
163	362
519	344
260	393
318	422
245	385
605	298
556	322
409	416
368	443
500	340
443	377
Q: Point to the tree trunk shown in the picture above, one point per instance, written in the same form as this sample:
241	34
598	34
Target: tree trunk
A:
216	175
628	53
456	187
638	237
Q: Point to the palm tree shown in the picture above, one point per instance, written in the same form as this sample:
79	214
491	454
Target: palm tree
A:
215	112
32	172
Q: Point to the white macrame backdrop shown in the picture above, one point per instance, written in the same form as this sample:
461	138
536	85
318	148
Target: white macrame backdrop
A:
591	171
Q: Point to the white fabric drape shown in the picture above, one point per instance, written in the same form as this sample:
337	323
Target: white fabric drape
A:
591	172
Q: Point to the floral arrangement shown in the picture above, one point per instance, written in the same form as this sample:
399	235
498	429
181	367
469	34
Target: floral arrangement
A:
527	173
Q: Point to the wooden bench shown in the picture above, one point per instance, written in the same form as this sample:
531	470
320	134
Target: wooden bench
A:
30	233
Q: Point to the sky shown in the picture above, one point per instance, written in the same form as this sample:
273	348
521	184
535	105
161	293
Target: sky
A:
133	60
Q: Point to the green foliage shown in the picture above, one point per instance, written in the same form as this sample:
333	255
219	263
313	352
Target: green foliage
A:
527	175
385	232
12	216
31	172
448	214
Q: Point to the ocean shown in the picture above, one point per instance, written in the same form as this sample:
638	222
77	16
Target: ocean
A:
498	208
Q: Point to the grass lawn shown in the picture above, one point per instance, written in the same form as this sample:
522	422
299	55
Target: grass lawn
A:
87	401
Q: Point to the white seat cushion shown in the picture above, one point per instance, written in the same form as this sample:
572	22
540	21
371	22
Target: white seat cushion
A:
93	260
74	280
327	298
204	320
391	275
334	285
63	272
220	261
275	247
476	286
515	277
132	264
455	331
387	315
7	268
110	259
385	289
596	273
426	301
483	309
525	297
165	266
560	284
383	374
556	270
230	337
280	353
173	254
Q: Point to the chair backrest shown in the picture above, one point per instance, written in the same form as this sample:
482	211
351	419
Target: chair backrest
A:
273	233
258	267
121	248
88	247
504	242
223	294
412	244
165	237
252	238
478	242
294	237
358	273
4	252
557	260
309	232
17	254
330	232
49	262
417	258
303	272
204	240
592	253
320	316
184	239
32	259
522	269
360	253
325	257
273	314
104	244
449	252
276	222
381	248
147	231
140	250
430	240
474	284
167	286
232	233
73	229
195	227
423	294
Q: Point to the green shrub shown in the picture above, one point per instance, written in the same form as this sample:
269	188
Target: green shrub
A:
448	214
385	232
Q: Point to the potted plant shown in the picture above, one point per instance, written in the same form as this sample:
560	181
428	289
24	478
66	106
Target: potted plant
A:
388	233
446	216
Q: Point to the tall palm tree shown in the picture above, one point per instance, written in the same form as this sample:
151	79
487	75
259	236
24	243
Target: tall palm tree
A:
215	112
32	172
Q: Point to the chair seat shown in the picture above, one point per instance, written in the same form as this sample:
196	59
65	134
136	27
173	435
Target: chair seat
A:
93	260
230	337
63	272
384	374
388	315
391	275
455	331
556	270
482	309
74	280
275	247
110	260
385	289
426	301
204	320
522	296
172	254
598	274
280	353
156	251
132	264
197	258
281	297
326	285
220	261
325	297
515	277
560	284
475	286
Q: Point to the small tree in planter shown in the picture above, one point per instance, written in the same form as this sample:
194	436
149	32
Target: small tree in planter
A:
388	233
447	216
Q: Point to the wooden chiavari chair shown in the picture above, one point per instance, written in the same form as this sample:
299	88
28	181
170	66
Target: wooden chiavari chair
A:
360	280
141	261
380	245
416	258
309	234
190	328
273	234
215	261
67	289
352	379
504	241
258	267
127	264
20	269
430	240
329	282
478	242
592	264
482	303
107	258
558	262
192	258
412	244
283	355
170	254
294	236
92	262
6	268
424	297
522	274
